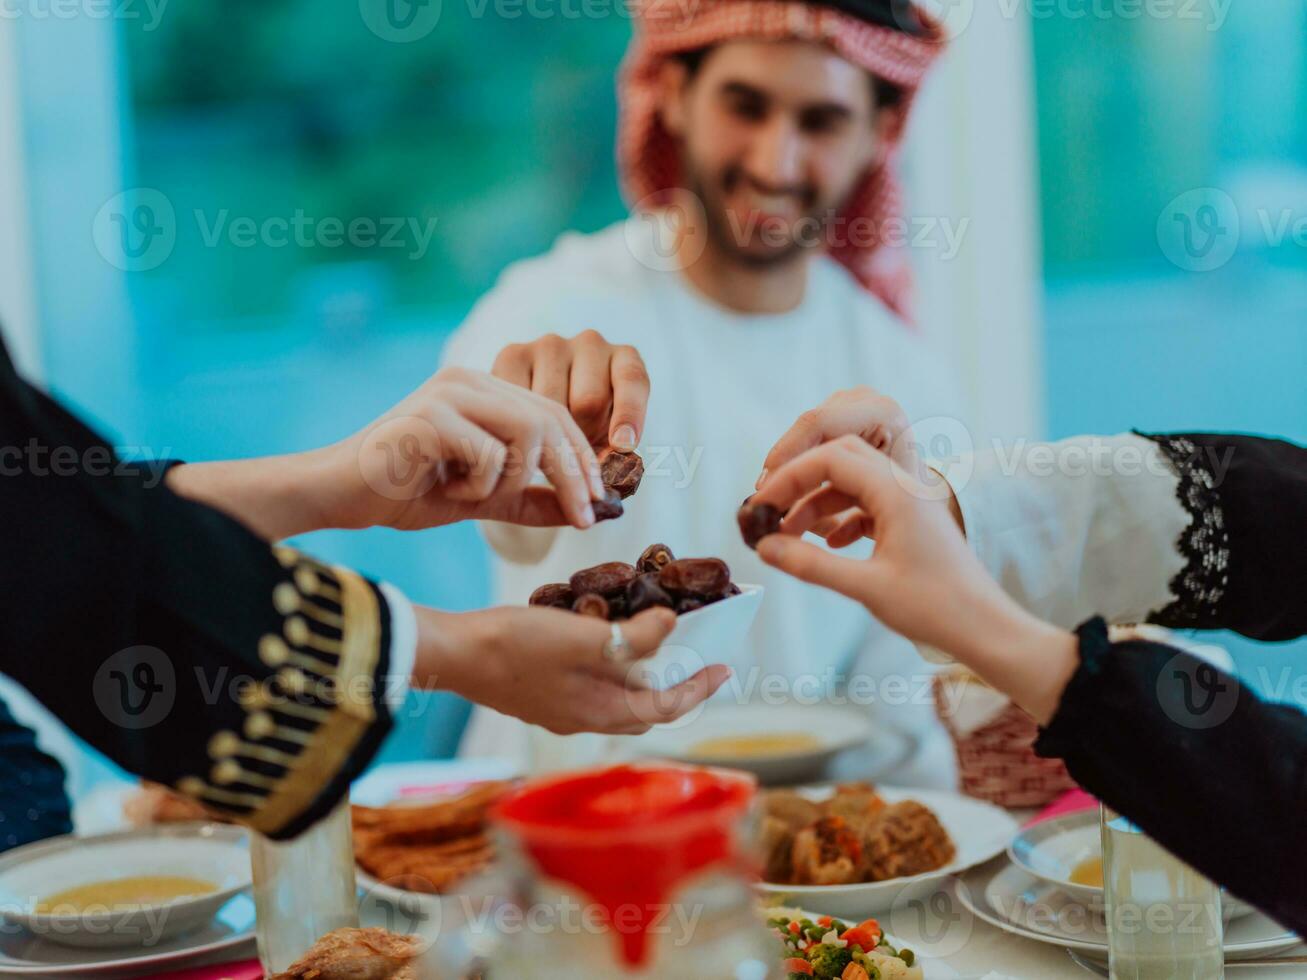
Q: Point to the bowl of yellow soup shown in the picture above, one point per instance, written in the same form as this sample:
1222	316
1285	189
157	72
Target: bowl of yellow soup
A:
781	744
131	888
1067	851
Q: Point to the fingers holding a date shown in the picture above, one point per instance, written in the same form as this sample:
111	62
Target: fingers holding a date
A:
876	419
604	386
467	445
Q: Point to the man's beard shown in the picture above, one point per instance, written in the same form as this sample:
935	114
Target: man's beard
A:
729	233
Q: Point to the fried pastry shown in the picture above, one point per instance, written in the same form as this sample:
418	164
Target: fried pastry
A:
357	954
859	805
428	849
906	839
790	808
854	836
828	852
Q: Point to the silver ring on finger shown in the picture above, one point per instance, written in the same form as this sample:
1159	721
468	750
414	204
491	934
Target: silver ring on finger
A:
616	649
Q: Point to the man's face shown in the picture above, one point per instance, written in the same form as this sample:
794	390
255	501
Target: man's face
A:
774	136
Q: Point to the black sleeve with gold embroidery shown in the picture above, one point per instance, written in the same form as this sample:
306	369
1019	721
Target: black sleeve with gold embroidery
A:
173	639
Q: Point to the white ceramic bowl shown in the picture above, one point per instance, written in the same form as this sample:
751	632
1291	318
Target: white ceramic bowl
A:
211	852
714	634
835	729
1051	849
979	830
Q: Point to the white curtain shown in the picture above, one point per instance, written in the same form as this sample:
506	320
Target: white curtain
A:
971	158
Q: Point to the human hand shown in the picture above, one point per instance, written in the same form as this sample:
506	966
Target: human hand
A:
548	667
603	386
464	446
881	423
922	580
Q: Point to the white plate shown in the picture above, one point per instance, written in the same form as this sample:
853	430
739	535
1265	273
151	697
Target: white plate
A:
979	830
1051	849
419	781
22	953
1009	898
215	853
714	634
836	728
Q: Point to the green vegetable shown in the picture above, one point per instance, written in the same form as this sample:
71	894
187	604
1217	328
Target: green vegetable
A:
868	964
839	926
907	956
829	961
815	933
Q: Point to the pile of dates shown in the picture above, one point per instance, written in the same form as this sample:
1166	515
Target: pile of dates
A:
616	590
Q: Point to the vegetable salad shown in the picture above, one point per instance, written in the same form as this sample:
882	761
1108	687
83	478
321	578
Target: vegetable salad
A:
826	948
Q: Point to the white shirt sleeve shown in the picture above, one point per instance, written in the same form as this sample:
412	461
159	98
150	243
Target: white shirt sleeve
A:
1088	526
403	645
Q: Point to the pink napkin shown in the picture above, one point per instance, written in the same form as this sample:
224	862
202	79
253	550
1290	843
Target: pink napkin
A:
1072	801
242	970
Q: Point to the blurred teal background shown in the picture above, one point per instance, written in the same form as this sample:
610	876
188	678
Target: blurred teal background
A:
500	130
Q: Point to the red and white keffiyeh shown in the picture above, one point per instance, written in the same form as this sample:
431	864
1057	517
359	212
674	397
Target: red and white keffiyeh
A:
649	160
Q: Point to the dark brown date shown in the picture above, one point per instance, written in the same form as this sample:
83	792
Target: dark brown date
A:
558	595
688	604
622	472
699	577
655	557
645	593
608	580
757	521
592	605
610	508
618	608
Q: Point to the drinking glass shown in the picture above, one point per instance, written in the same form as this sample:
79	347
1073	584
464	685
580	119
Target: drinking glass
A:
1163	917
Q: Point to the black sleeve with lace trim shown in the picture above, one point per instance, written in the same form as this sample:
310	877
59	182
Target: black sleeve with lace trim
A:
1245	549
1210	772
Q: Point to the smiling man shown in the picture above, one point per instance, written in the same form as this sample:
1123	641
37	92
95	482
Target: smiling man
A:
757	145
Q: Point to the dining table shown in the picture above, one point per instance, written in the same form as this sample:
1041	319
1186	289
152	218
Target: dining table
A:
969	948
